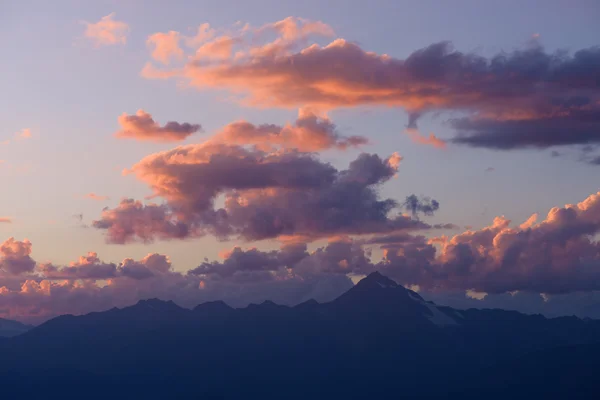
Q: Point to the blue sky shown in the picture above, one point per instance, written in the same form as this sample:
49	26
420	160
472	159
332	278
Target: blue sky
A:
69	93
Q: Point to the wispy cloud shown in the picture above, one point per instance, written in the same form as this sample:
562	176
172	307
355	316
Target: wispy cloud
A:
94	196
107	31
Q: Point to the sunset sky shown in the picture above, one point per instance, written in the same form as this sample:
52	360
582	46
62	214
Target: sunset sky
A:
490	110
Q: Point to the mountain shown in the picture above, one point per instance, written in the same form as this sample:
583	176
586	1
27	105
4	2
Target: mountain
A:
377	340
10	328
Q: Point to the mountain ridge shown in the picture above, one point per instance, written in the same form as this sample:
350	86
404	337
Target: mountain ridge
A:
378	335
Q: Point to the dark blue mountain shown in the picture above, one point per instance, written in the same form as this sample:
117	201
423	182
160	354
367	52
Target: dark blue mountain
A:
10	328
378	340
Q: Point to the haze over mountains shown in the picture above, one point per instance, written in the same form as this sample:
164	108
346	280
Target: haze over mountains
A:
377	340
10	328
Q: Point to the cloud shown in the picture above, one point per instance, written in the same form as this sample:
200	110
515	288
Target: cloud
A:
595	160
142	127
221	48
266	195
423	205
557	255
430	140
203	34
107	31
15	256
94	196
550	266
165	46
526	98
243	276
5	220
88	267
309	133
25	133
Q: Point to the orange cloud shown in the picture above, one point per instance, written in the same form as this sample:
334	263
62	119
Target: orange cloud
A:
203	34
430	140
25	133
94	196
220	48
166	46
290	72
107	31
141	126
310	132
5	220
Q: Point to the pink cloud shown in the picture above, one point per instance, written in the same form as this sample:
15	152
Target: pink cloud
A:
221	48
507	105
142	127
107	31
309	133
244	276
430	140
25	133
165	46
557	255
15	256
94	196
203	34
554	256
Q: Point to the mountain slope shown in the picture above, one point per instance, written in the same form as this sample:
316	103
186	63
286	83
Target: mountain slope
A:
10	328
378	338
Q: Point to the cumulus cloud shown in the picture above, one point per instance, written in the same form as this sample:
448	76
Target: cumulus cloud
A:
107	31
557	255
550	266
243	276
524	98
15	256
311	132
142	127
267	195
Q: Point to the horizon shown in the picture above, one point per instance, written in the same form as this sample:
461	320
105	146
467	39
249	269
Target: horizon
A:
209	150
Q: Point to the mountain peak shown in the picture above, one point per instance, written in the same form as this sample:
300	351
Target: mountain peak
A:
376	279
157	304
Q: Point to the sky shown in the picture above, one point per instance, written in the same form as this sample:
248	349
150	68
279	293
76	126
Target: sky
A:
478	109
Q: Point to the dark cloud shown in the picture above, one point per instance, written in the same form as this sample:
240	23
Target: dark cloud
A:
266	195
565	126
416	205
595	160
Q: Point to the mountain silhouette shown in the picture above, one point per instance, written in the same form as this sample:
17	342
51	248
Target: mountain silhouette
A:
377	340
10	328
